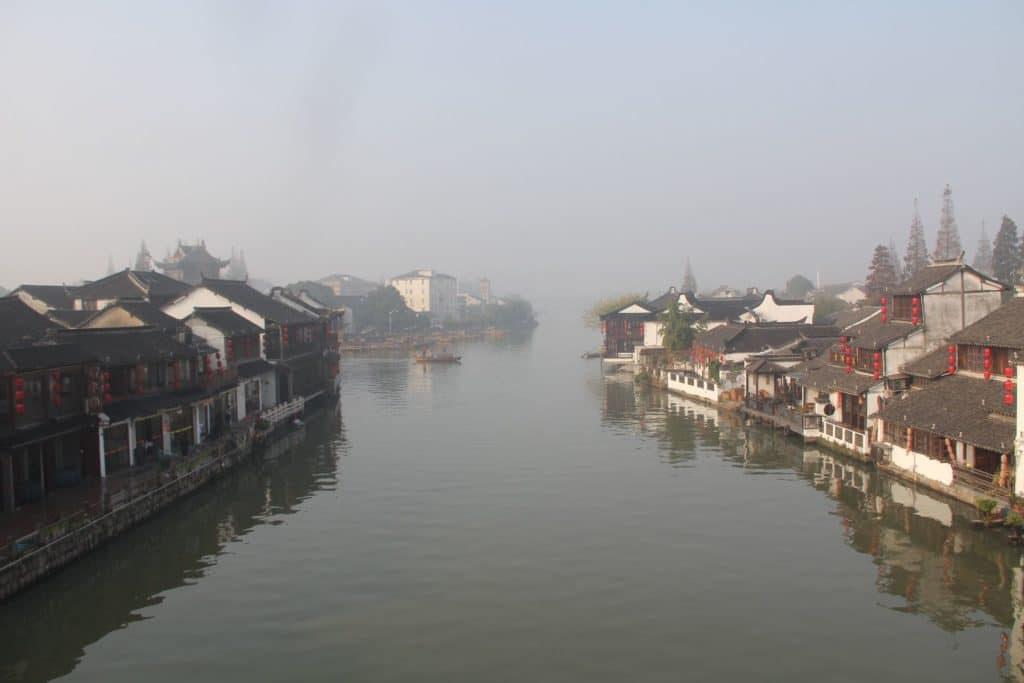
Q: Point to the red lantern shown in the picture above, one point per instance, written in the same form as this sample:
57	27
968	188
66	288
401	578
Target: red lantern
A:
19	382
19	408
842	340
19	396
988	352
988	374
1008	385
848	369
988	363
1008	399
1008	371
915	320
106	398
56	400
878	375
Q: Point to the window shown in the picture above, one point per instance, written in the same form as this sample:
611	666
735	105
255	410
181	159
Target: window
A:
932	445
902	308
853	411
972	359
896	434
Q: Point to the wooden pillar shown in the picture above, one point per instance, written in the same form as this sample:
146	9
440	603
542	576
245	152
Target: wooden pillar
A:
131	443
195	425
165	429
103	453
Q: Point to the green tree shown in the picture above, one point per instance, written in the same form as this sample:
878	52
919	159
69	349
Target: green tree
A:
689	280
1006	252
881	274
826	305
592	318
385	308
917	249
679	328
983	254
798	286
947	242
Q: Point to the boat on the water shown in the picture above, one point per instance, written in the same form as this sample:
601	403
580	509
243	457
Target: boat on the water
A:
431	357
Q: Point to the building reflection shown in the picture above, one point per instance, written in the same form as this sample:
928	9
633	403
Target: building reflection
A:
929	560
106	590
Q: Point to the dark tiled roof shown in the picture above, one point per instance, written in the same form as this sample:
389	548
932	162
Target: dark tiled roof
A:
852	316
20	323
127	346
957	407
930	365
41	356
282	294
662	303
142	406
1003	327
254	367
874	334
54	296
649	314
161	288
820	375
931	275
726	308
121	285
242	294
145	312
753	337
69	317
225	320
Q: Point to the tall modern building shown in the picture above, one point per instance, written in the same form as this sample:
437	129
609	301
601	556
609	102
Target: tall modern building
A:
430	292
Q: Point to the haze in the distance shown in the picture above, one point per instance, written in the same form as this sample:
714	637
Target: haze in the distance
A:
573	148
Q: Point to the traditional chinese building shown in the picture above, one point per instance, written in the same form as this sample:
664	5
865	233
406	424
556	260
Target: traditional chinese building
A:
191	263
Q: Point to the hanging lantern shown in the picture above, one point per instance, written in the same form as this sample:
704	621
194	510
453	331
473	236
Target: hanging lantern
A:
842	340
915	320
19	395
848	369
1008	372
988	363
988	374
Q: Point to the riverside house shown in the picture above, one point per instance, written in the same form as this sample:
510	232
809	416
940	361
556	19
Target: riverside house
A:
956	427
294	341
846	386
637	325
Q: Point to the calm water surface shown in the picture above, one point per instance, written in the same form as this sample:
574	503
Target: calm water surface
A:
524	516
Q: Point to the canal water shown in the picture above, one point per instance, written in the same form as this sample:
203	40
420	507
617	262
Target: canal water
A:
525	516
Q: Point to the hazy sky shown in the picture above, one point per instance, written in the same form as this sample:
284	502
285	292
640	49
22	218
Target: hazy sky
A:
554	146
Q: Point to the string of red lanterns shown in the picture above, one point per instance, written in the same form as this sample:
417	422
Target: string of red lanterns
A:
885	309
952	359
19	395
1008	386
988	363
915	311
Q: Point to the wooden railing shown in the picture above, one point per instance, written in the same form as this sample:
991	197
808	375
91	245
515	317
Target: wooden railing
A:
283	411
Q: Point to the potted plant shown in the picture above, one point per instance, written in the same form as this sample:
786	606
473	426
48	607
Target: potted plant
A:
985	508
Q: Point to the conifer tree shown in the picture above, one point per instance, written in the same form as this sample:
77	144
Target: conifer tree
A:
983	254
916	257
689	281
1006	252
894	258
947	243
881	275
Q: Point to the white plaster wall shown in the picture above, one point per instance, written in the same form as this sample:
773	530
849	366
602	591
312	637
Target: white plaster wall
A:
210	335
948	307
682	386
1018	484
652	333
204	298
771	311
922	465
902	351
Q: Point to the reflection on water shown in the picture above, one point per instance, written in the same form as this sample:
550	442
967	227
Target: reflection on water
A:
525	515
929	559
109	589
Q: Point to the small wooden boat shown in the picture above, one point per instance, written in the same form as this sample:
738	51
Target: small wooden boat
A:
431	357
